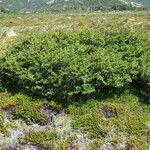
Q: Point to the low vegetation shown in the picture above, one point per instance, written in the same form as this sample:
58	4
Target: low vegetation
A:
85	85
118	119
91	61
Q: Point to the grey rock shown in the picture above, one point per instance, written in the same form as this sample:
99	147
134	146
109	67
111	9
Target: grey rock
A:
108	146
9	111
125	145
109	112
50	113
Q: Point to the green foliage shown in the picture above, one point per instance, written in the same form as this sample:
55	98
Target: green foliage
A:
2	127
43	138
132	119
1	121
47	64
91	124
65	144
96	144
26	108
143	85
55	105
48	140
145	69
60	64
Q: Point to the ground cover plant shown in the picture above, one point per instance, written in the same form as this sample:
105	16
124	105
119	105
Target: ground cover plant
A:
116	120
126	114
81	82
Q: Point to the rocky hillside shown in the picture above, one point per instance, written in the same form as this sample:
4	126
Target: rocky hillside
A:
67	5
22	5
144	2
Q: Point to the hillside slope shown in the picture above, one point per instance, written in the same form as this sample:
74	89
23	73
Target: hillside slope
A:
144	2
67	5
85	4
22	5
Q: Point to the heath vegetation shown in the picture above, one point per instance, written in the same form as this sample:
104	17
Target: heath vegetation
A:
78	81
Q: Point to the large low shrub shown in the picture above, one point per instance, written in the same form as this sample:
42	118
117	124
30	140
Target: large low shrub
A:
77	62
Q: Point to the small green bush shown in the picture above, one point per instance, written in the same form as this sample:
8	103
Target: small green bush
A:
60	64
143	82
91	124
43	138
26	108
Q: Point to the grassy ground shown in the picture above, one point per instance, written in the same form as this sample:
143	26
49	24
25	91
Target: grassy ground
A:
132	20
131	122
22	23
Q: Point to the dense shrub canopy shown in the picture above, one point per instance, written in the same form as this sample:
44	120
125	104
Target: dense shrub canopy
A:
68	63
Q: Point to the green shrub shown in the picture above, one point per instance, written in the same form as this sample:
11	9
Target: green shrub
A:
60	64
91	124
26	108
145	67
143	82
43	138
132	118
